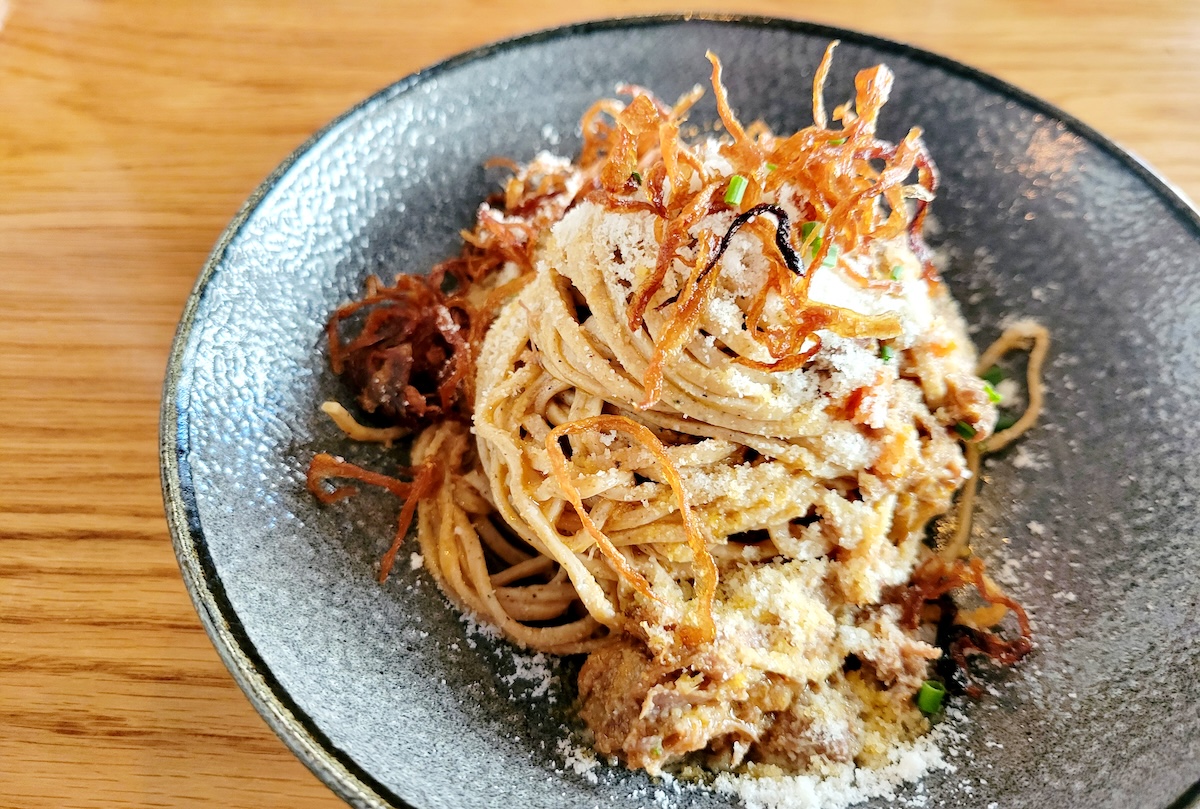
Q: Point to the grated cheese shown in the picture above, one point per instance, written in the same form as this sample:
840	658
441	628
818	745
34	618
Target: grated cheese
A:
907	763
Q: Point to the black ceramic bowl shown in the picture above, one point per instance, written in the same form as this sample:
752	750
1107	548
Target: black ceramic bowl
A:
385	693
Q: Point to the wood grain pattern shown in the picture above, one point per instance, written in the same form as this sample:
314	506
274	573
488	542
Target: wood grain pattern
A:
130	132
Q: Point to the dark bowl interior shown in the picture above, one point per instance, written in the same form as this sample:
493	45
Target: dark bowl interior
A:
393	699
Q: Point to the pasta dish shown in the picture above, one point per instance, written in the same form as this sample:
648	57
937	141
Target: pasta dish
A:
690	406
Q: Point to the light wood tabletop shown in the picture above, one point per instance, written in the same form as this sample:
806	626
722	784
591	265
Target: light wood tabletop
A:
130	133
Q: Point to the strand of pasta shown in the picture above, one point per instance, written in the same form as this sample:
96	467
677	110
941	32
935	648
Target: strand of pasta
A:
1023	335
701	630
526	399
453	552
357	431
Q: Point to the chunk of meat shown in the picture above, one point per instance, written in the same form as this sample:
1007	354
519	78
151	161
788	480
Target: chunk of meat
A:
820	724
613	684
650	715
406	358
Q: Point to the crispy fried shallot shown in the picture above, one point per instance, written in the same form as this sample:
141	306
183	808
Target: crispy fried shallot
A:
409	352
426	478
935	579
409	357
829	174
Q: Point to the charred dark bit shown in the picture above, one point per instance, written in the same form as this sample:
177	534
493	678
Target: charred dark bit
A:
783	237
754	536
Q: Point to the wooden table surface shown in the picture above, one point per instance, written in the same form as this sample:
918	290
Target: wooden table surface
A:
130	132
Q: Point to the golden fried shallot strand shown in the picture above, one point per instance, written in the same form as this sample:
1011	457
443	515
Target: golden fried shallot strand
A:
818	92
683	321
427	478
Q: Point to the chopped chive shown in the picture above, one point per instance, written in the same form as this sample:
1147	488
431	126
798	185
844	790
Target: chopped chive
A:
636	177
657	751
772	166
993	376
965	430
929	698
897	272
886	352
1005	421
993	395
806	230
837	142
736	190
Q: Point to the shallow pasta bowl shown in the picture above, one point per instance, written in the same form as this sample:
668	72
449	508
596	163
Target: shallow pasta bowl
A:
393	700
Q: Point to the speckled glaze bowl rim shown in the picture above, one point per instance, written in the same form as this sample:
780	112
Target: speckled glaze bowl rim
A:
333	767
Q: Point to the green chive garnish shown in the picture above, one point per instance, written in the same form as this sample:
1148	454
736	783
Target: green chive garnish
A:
736	190
886	353
993	395
929	698
837	142
636	177
993	376
1005	421
806	230
772	166
897	271
965	430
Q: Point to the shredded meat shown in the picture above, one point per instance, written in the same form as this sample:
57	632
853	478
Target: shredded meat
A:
897	658
613	684
811	729
409	359
650	714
